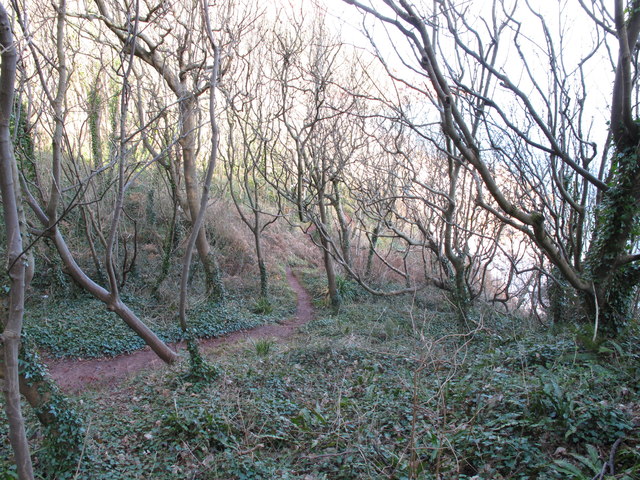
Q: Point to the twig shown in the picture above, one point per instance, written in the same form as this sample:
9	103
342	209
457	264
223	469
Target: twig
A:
250	450
610	464
82	452
326	455
595	297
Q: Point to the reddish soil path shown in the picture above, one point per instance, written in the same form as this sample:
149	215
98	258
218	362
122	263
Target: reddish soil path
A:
76	375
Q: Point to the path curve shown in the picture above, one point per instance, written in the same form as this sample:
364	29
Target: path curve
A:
73	375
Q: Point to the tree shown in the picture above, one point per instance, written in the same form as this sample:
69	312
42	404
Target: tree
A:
198	367
304	76
169	46
48	210
322	86
13	304
527	139
612	261
250	140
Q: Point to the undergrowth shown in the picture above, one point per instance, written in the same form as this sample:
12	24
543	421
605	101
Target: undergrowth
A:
381	390
83	327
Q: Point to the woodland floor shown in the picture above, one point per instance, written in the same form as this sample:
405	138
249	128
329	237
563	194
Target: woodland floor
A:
75	375
379	389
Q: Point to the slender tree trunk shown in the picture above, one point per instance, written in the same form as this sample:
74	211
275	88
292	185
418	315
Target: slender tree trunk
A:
372	250
459	292
115	305
332	284
21	133
188	108
264	277
13	315
168	244
345	233
94	100
198	366
84	211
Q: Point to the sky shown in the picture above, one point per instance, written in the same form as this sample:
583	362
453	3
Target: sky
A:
573	31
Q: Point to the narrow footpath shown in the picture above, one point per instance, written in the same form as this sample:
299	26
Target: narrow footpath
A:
74	375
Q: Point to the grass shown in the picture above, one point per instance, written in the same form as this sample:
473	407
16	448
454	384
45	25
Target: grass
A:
263	306
378	391
263	346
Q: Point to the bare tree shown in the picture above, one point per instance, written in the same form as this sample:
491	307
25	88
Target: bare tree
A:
47	211
305	170
527	140
250	140
170	46
199	219
320	89
13	304
419	197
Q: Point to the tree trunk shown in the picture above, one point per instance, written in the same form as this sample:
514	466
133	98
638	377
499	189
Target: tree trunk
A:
199	367
617	224
94	101
372	250
615	273
188	107
460	295
115	305
264	277
63	432
332	284
345	233
13	312
167	247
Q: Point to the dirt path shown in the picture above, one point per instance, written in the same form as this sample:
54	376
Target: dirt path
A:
76	375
